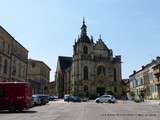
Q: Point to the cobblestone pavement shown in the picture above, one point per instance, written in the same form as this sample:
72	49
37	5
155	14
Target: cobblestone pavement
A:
60	110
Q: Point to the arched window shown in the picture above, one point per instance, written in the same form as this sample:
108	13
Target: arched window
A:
85	73
5	66
101	70
85	50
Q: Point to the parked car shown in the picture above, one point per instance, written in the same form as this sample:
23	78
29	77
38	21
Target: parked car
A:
85	99
68	98
43	98
76	99
105	99
15	96
56	97
36	100
138	99
52	98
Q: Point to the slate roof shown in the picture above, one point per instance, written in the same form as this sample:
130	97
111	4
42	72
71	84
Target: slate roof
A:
100	45
84	39
65	62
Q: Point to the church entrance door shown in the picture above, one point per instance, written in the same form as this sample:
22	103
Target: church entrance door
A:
100	91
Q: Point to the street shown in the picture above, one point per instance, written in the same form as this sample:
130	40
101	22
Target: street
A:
87	111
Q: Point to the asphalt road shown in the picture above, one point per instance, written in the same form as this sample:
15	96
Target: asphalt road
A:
87	111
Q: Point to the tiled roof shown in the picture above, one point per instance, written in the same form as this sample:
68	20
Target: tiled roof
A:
154	61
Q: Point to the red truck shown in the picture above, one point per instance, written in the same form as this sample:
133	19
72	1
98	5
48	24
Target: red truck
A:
15	96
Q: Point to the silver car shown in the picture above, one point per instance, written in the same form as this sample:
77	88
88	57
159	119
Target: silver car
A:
105	99
35	100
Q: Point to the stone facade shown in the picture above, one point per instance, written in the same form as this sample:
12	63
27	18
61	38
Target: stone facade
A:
125	89
52	88
13	58
63	76
39	76
145	82
156	72
94	70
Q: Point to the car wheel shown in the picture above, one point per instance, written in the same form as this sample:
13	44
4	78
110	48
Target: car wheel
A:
20	109
113	102
97	101
109	101
12	109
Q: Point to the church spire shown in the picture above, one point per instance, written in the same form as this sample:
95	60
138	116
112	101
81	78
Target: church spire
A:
100	37
83	35
83	20
83	28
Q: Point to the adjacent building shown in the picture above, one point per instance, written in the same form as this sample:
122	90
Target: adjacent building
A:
39	76
63	75
15	66
52	88
156	72
91	71
13	58
145	82
126	87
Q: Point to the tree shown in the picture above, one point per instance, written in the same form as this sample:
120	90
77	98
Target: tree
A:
132	94
142	93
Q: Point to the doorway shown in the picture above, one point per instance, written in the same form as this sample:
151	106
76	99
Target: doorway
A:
100	91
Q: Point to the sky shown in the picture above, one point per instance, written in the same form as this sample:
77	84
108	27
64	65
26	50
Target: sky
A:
48	28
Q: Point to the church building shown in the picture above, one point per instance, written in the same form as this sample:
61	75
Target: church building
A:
91	71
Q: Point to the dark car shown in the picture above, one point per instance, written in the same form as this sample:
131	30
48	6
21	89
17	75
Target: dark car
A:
52	98
36	100
76	99
68	98
85	99
44	99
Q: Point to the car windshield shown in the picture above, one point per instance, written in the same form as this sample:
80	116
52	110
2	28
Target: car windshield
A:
105	96
66	96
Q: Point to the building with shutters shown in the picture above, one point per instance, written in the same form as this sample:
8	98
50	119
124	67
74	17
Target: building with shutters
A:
146	81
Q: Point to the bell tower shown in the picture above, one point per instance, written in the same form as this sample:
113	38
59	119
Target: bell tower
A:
83	29
82	60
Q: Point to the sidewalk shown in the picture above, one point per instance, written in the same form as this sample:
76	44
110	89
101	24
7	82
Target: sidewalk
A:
152	101
125	101
146	102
